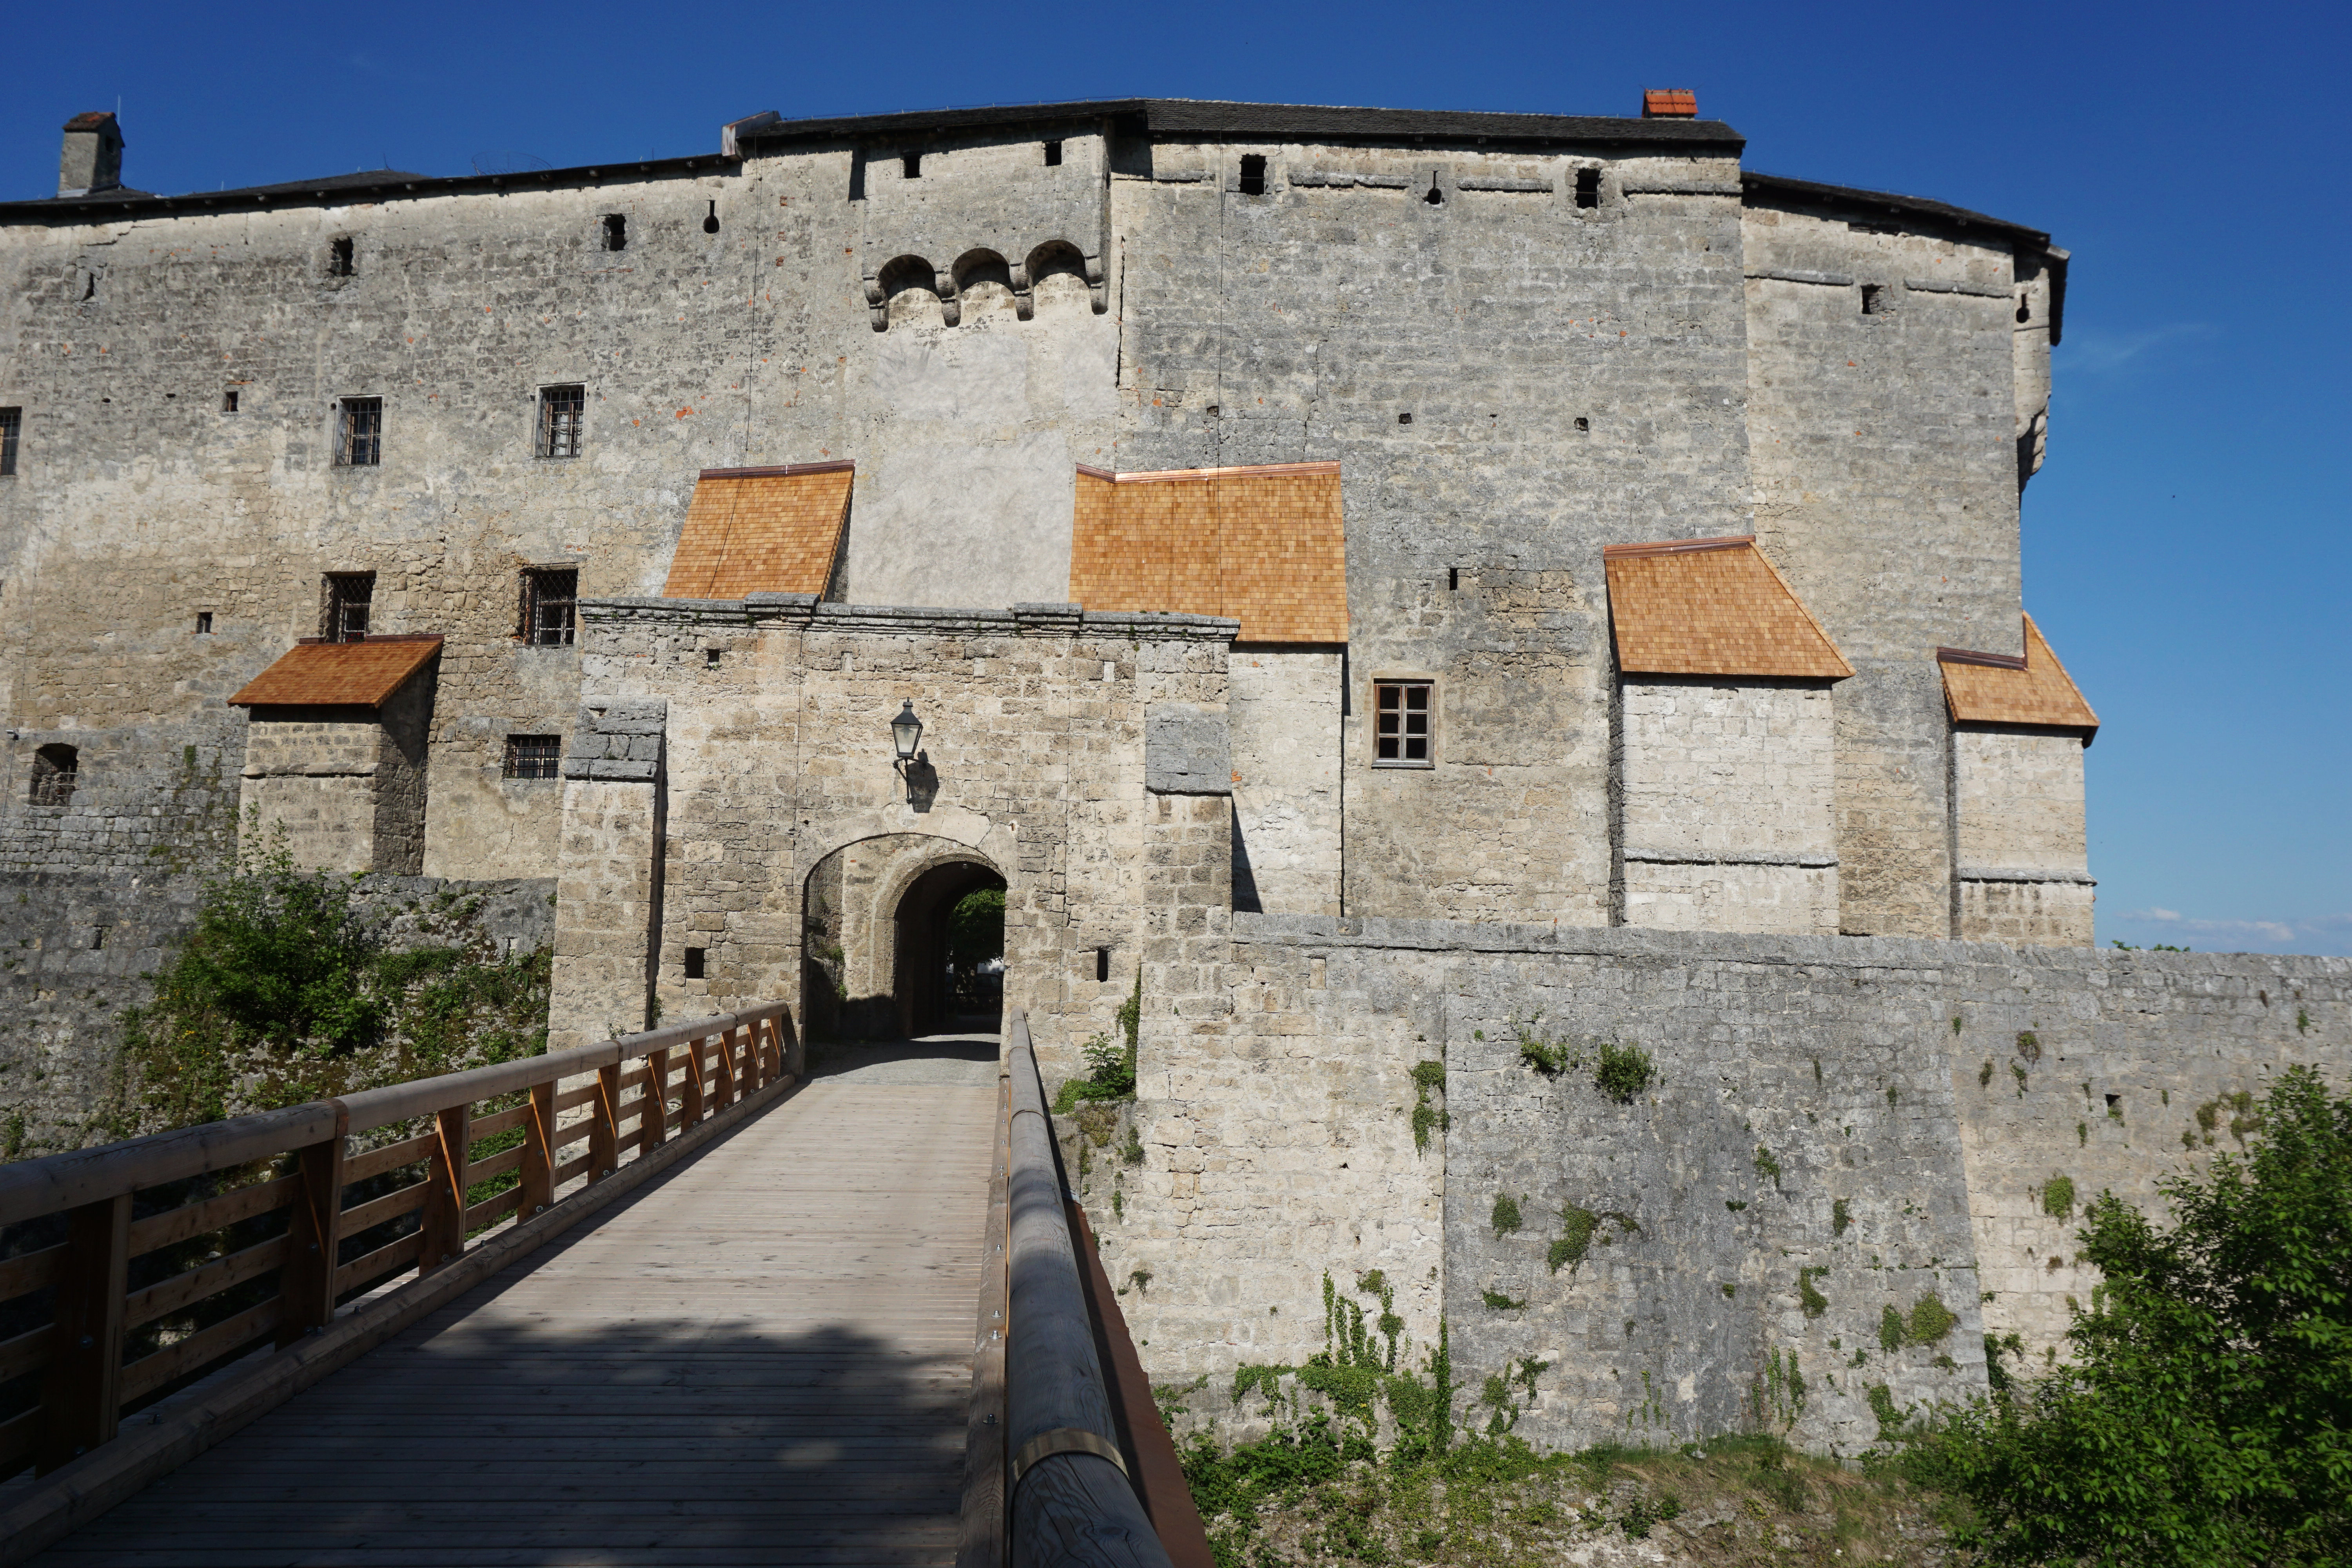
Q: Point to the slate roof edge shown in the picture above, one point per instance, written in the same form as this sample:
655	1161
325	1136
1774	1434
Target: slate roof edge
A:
1885	201
345	190
1178	117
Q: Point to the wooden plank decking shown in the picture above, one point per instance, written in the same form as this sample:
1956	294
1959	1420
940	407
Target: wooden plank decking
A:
762	1358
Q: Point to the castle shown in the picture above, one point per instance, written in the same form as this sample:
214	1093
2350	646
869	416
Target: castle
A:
1398	581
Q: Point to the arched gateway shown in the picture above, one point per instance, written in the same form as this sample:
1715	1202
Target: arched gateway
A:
899	939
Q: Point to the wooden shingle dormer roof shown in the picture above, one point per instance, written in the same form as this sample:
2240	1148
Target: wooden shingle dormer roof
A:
1267	546
1997	688
314	673
1712	606
760	531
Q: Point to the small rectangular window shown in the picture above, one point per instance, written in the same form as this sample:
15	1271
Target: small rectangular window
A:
534	756
204	623
616	232
1871	304
1102	964
695	959
54	770
1053	155
561	409
339	258
550	596
1252	175
348	597
12	420
911	165
1400	723
359	435
1588	187
228	401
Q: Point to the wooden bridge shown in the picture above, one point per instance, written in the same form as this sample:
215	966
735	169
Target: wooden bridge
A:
659	1301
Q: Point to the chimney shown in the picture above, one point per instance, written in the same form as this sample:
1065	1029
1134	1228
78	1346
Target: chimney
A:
93	156
1669	103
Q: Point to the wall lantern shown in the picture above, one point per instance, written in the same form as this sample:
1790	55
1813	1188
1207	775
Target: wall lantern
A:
906	733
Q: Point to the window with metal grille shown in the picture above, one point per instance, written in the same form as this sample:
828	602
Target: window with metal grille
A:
55	768
534	756
560	412
12	421
1588	187
358	433
550	595
1402	711
348	595
1252	175
340	262
616	232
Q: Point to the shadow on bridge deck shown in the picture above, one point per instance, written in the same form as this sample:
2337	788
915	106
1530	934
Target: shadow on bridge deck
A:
763	1357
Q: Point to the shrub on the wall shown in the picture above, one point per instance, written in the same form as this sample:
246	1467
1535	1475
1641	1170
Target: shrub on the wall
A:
290	986
2204	1414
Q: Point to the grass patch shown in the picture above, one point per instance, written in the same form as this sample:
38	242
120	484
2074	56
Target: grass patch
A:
1318	1494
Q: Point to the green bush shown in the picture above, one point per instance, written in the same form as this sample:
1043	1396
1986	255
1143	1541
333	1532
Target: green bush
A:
2058	1198
1575	1239
1624	1071
285	990
2204	1413
1110	1074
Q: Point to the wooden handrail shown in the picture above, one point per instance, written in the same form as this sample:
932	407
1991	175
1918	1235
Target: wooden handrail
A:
87	1383
1071	1500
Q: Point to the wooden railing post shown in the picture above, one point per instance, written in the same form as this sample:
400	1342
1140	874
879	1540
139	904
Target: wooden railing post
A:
691	1116
653	1121
604	1131
725	1041
313	1233
538	1169
754	1056
445	1198
789	1057
80	1398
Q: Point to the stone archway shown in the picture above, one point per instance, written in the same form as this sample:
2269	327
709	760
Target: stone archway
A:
875	917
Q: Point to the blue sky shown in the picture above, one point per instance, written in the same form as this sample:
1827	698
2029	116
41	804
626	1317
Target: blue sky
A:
2184	550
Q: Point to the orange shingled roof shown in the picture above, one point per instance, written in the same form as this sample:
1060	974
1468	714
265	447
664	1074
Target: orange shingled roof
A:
339	674
1712	606
760	531
1994	689
1267	546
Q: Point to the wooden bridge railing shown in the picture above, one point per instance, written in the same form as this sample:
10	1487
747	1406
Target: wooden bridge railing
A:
1092	1479
297	1221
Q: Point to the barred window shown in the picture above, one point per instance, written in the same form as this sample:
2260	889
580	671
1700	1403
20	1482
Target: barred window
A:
359	435
55	768
559	410
348	597
12	420
1401	710
550	595
534	756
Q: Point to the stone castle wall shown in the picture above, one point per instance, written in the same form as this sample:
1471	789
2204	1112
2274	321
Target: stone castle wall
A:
1509	379
82	948
1829	1115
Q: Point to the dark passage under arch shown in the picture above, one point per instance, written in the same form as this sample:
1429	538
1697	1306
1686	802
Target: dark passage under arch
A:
944	982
